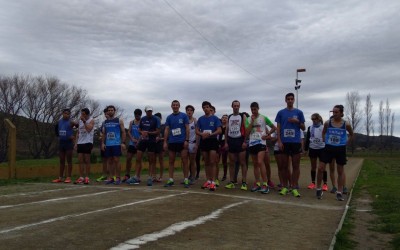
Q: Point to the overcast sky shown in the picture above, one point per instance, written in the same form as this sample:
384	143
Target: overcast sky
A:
137	53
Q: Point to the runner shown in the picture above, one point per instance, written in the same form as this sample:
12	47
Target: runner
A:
290	123
113	144
149	128
159	153
208	127
193	143
236	145
257	133
133	134
84	145
336	139
315	147
176	141
65	133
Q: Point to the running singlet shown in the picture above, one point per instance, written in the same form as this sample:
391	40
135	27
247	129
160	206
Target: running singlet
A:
259	129
84	136
112	132
192	131
316	141
135	133
177	127
64	130
235	125
336	136
290	132
209	124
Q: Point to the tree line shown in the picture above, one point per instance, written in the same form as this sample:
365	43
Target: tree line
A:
362	120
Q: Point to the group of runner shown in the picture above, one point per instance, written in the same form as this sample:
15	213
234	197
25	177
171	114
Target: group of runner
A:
234	136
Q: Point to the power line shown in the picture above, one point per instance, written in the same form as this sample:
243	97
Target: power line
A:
215	46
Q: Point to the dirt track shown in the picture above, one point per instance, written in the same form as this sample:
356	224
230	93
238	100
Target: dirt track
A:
49	216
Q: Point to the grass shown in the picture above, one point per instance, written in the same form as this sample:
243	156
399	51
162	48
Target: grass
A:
380	176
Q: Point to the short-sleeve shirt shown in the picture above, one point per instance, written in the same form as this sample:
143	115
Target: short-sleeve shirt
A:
177	127
259	129
149	124
209	124
290	132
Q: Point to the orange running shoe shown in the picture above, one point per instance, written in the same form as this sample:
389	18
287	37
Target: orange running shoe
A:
325	187
311	186
67	180
206	185
58	180
212	186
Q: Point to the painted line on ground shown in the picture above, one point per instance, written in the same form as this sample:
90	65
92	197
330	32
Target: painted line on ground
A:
173	229
39	192
57	199
86	213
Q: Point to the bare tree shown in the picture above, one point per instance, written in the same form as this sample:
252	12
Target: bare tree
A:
381	123
387	114
368	118
391	131
353	113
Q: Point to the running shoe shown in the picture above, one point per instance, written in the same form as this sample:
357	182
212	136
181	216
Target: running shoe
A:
295	193
109	181
345	191
244	186
186	183
325	187
230	185
58	180
339	196
101	178
133	181
86	181
117	181
271	184
333	190
169	183
264	189
319	194
311	186
149	182
284	191
79	180
126	177
256	187
67	180
217	182
192	181
206	185
212	186
159	180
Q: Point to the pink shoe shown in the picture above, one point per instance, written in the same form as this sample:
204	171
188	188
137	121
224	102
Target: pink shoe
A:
311	186
325	187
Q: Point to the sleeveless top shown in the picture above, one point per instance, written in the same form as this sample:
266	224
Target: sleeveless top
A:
336	136
112	132
64	130
84	136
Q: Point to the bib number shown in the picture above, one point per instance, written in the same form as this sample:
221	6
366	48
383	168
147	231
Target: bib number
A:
62	133
334	140
176	132
289	133
207	131
111	136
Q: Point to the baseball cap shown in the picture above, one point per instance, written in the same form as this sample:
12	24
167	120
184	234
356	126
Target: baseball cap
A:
148	108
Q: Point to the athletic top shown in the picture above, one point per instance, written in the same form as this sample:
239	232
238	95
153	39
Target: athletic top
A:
259	129
177	127
290	132
314	137
209	124
64	130
134	129
336	136
84	136
192	131
149	124
112	132
235	125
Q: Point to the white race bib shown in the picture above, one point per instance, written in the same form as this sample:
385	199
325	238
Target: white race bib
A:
62	133
110	135
176	132
207	131
289	133
334	139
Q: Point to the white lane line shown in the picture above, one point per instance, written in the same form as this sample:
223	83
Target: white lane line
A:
173	229
58	199
86	213
39	192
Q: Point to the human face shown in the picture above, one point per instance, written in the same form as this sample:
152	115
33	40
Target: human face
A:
290	101
206	109
254	111
137	117
315	120
110	112
236	107
224	119
175	107
189	112
336	114
66	115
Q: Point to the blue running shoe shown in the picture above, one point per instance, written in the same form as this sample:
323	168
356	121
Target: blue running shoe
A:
117	181
149	182
133	181
264	189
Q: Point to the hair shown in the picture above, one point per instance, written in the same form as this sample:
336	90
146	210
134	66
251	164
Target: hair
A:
66	110
289	94
111	107
341	109
254	105
189	107
205	103
233	102
86	111
158	115
137	112
213	108
318	116
105	110
175	101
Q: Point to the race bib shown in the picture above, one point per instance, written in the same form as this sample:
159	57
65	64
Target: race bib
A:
289	133
334	139
111	136
316	140
207	131
176	132
255	136
62	133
